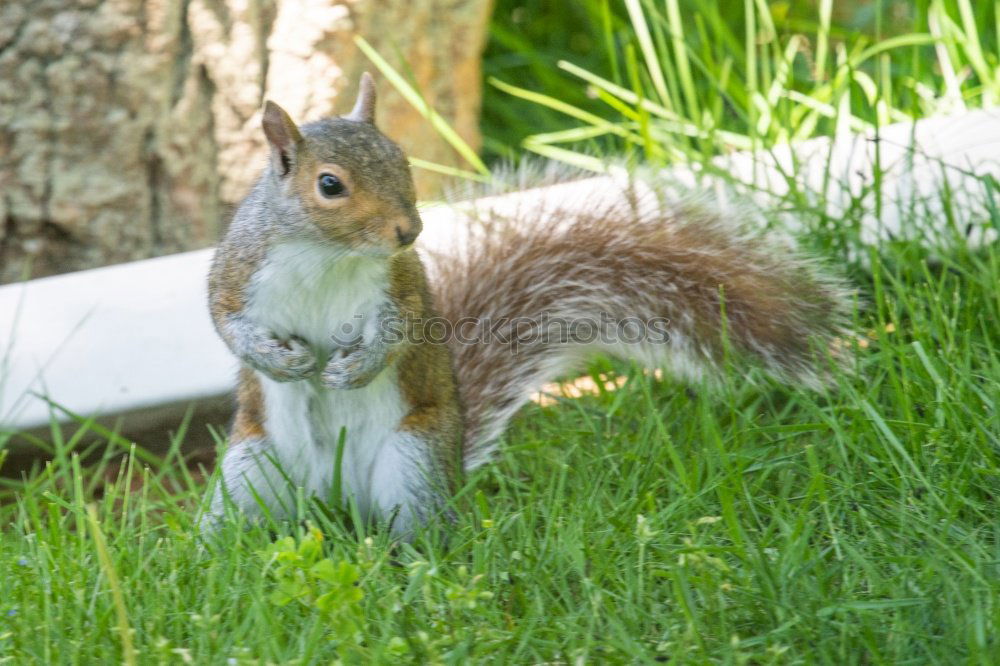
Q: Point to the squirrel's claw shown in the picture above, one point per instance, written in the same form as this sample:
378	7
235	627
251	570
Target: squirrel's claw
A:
353	370
283	360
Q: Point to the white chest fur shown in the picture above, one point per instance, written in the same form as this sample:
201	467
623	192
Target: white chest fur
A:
317	294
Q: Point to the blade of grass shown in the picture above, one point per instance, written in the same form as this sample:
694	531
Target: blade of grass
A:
418	103
124	631
448	170
649	54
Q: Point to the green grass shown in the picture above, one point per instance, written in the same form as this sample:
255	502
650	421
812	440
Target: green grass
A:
682	80
747	523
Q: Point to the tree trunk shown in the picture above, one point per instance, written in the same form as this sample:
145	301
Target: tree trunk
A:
129	128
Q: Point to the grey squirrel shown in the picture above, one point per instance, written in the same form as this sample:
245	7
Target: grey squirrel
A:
324	243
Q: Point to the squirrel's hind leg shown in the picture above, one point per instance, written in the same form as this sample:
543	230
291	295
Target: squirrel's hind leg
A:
252	480
252	483
415	475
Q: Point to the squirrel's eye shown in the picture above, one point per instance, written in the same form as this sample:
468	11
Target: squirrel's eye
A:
330	186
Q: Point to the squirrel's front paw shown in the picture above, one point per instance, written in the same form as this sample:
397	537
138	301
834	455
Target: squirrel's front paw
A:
283	360
351	370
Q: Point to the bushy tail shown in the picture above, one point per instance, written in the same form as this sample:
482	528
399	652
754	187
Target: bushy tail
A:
537	287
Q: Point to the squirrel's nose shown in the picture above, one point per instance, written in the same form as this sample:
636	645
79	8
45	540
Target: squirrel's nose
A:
406	237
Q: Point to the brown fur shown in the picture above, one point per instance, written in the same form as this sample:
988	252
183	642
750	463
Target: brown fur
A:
382	197
249	420
426	377
366	216
229	278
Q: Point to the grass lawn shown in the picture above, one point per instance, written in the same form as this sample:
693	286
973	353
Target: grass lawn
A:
744	522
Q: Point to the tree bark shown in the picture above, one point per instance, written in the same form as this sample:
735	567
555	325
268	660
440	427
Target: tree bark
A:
129	128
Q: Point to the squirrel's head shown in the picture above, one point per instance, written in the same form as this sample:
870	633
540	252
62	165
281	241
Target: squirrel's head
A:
352	183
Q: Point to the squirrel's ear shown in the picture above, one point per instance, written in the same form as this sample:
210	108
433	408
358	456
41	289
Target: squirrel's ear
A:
283	136
364	108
